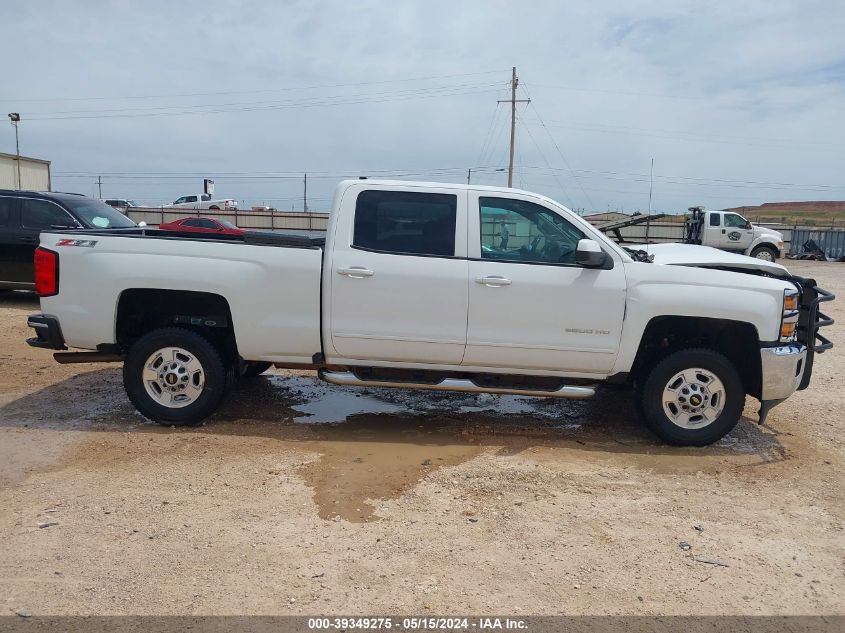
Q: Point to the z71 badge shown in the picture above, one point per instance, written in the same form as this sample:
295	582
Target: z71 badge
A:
83	243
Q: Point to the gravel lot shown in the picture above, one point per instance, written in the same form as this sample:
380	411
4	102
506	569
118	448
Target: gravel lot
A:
302	498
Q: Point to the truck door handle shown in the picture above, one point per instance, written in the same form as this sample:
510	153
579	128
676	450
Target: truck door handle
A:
356	272
723	231
493	281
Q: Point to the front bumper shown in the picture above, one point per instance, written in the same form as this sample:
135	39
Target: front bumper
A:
48	332
782	370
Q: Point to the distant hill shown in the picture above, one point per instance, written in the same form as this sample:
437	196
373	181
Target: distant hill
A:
815	212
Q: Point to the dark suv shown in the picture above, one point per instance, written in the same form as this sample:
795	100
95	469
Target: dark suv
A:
24	214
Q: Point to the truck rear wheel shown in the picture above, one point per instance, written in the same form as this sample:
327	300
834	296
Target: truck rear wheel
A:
174	376
693	397
765	253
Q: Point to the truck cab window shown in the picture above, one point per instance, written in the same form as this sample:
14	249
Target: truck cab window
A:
715	219
406	222
734	221
206	197
190	198
521	231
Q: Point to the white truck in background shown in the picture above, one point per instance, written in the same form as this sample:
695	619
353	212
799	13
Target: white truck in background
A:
202	201
730	231
416	286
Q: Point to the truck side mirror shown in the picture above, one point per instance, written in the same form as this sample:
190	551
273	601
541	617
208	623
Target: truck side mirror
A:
589	254
748	225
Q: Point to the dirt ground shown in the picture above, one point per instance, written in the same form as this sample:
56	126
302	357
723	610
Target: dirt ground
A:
303	498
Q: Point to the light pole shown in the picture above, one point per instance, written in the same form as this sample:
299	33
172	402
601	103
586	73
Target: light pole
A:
16	118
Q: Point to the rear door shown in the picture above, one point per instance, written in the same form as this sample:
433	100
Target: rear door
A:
35	216
13	249
399	276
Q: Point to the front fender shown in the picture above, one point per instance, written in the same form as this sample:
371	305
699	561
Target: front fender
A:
656	290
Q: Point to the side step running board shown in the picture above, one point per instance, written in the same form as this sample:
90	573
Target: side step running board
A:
347	378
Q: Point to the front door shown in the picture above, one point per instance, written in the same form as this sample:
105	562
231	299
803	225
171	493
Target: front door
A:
530	306
737	233
399	277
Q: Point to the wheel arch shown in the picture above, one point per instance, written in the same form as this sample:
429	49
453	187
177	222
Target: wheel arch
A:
738	341
141	310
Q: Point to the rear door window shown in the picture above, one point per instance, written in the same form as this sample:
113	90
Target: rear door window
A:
43	215
714	219
406	222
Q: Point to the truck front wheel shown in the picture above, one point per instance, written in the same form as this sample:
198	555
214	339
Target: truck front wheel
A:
693	397
766	253
174	376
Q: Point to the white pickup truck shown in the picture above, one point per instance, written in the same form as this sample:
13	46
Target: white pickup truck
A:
730	231
202	201
440	287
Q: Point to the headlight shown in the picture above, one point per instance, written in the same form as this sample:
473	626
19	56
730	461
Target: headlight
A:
789	320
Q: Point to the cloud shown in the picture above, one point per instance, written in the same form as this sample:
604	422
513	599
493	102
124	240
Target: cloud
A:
750	93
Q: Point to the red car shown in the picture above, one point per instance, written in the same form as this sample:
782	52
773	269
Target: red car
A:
202	225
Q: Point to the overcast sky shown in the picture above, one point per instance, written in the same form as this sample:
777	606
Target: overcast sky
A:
736	102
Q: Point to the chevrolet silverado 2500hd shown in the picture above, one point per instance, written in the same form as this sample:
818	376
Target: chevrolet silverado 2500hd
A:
434	286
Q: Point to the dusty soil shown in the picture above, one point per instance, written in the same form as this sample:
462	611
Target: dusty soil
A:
303	498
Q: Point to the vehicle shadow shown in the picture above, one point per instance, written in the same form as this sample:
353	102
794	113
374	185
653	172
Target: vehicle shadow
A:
303	408
24	299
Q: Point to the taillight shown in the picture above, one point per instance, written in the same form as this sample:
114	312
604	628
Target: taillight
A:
46	272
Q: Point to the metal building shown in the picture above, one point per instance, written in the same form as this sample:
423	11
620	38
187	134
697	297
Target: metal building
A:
34	174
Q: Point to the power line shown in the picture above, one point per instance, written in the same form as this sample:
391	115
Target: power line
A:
302	104
254	91
693	136
320	98
560	153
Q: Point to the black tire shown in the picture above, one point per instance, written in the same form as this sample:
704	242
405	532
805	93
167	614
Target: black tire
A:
652	398
216	377
253	368
764	249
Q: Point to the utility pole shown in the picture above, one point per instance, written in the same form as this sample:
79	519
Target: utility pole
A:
650	187
16	119
513	101
305	193
469	174
100	186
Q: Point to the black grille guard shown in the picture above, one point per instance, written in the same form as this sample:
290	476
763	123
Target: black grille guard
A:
810	319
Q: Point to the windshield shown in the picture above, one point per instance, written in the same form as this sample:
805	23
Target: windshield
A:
98	214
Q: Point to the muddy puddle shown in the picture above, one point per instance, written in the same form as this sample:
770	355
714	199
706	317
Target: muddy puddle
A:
366	444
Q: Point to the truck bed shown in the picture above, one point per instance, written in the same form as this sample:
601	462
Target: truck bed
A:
269	281
255	238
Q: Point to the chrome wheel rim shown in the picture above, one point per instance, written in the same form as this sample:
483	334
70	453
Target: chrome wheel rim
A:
765	255
693	398
173	377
